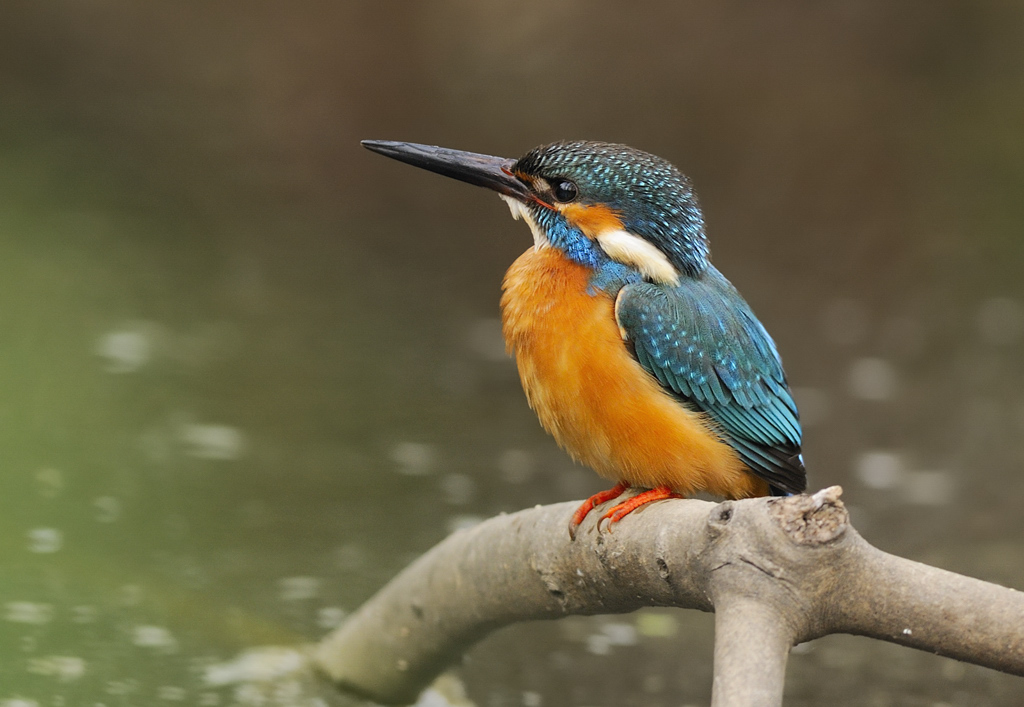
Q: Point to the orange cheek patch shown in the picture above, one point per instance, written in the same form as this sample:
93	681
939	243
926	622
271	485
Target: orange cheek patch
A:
591	219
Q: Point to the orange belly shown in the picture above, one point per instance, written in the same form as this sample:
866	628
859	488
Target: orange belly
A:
594	397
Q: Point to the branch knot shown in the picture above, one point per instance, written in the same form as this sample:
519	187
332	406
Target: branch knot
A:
811	520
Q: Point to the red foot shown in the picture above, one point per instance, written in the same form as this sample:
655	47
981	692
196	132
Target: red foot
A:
621	510
588	505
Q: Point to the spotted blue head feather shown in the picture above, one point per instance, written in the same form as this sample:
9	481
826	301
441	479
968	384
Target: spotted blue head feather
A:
653	199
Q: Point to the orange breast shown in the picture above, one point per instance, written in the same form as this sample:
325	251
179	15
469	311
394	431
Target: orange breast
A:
594	397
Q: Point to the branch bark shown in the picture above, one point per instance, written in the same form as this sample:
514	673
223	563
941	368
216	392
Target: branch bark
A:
777	572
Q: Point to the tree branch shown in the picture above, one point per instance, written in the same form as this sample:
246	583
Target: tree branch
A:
777	571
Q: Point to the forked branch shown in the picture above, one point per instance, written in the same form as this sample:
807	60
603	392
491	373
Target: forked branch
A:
776	571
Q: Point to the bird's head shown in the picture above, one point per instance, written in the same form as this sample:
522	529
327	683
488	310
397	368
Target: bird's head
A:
603	205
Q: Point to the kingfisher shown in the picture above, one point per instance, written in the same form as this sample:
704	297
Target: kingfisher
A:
639	357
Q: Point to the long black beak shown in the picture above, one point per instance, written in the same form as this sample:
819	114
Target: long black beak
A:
482	170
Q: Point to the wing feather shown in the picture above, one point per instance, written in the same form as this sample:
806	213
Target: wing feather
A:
702	342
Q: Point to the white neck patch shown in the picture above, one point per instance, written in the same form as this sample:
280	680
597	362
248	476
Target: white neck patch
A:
519	211
632	250
620	245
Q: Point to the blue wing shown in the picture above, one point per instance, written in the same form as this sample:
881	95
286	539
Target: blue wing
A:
702	342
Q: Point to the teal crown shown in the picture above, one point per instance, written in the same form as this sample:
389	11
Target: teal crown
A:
654	200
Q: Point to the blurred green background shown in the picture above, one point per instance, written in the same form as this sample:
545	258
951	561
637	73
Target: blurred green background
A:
248	370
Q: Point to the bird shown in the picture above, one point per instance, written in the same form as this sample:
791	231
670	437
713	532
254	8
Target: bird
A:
639	357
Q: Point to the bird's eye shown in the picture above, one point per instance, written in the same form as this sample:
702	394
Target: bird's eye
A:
565	191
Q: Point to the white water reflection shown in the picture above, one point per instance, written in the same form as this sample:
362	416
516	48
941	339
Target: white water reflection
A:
45	540
880	469
329	617
873	379
463	522
298	588
886	470
126	350
516	466
108	509
256	665
62	667
413	458
609	634
18	702
446	691
657	624
458	489
84	614
215	442
155	637
532	699
28	612
171	693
